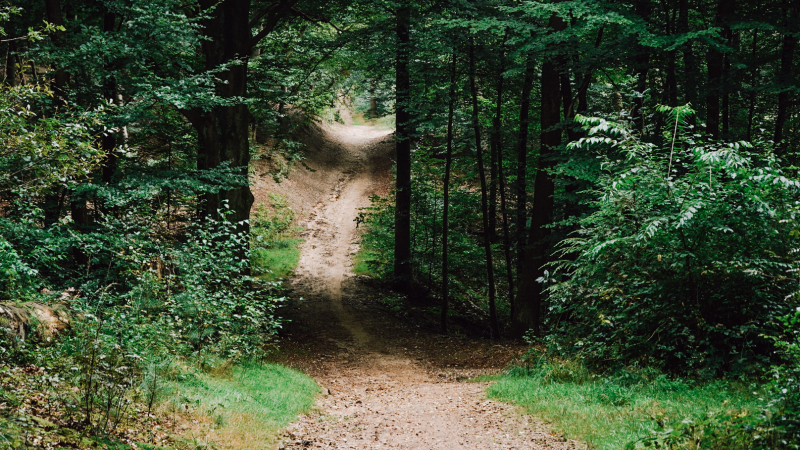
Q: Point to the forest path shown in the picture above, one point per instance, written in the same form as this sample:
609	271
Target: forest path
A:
388	383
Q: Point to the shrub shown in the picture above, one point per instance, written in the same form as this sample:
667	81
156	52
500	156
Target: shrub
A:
686	262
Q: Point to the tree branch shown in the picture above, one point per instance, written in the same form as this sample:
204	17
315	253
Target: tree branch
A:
274	13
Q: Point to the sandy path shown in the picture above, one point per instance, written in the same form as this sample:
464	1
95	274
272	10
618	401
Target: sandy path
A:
388	384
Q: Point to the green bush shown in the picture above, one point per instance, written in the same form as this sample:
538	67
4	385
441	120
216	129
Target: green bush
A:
686	262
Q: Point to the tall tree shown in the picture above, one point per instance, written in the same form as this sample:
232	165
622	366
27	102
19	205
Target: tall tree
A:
785	71
402	237
451	101
487	242
528	301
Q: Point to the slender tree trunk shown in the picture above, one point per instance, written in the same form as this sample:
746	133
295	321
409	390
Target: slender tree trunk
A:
451	102
373	102
108	139
716	67
672	77
497	144
506	233
52	202
495	148
520	186
784	79
751	110
691	73
733	41
642	67
11	64
402	221
487	244
527	311
60	80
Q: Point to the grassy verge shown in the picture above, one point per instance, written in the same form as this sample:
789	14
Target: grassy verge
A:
277	261
274	248
610	413
381	123
242	407
361	264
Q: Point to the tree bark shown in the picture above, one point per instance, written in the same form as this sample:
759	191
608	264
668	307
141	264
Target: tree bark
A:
487	243
373	102
784	79
520	186
642	67
61	78
108	140
52	206
716	64
402	221
689	61
506	233
11	64
222	131
446	213
753	77
527	311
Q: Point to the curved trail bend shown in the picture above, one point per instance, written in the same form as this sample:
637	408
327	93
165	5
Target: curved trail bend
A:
388	383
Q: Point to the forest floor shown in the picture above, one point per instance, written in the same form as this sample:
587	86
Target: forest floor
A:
387	382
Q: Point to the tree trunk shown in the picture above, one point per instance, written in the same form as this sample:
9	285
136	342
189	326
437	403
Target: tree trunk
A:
689	62
642	67
527	311
373	102
784	79
451	102
520	186
402	220
108	140
52	203
716	65
733	40
11	64
487	243
61	79
506	233
496	147
222	131
751	110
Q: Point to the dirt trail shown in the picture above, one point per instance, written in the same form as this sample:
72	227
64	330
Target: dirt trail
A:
388	383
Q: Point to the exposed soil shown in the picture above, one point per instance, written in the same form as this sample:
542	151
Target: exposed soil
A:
388	382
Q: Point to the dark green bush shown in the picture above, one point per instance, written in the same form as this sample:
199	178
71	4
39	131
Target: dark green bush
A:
687	261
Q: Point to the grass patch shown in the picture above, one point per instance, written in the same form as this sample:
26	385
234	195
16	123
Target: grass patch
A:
381	123
610	412
243	407
274	252
278	260
361	263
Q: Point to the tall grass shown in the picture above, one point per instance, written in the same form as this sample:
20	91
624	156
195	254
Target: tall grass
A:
611	412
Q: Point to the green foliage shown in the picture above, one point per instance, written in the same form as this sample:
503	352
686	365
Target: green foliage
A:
686	261
38	153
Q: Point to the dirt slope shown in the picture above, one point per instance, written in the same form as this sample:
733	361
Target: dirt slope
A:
389	384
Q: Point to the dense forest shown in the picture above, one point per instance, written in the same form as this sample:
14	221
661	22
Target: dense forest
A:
614	182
